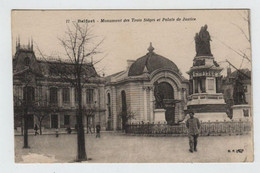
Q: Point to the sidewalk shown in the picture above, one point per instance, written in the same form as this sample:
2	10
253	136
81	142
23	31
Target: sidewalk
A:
119	148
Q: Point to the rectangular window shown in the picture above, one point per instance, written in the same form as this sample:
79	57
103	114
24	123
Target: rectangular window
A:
54	121
28	94
66	120
39	94
210	84
53	95
90	96
66	95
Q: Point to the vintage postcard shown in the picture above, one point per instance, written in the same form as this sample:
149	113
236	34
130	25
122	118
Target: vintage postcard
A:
132	86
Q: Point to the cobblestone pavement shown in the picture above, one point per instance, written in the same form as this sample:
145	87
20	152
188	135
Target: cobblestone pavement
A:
119	148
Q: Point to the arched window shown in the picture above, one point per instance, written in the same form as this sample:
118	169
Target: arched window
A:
90	96
123	96
124	109
109	105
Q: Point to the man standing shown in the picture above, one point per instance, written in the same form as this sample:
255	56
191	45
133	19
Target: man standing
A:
98	131
36	130
193	126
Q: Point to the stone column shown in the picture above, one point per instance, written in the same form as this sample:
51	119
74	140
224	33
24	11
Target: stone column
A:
151	106
145	105
114	113
193	84
179	93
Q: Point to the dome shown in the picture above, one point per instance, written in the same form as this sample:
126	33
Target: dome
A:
151	62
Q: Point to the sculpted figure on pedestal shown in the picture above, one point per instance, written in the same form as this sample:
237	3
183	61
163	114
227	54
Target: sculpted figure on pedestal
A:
202	42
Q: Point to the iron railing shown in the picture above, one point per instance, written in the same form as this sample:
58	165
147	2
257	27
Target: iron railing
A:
207	128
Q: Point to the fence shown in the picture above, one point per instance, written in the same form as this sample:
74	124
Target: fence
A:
207	129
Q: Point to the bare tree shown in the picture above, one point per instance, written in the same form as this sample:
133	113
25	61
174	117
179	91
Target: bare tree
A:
26	103
126	116
77	69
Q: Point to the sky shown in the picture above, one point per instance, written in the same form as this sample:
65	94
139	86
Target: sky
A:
130	40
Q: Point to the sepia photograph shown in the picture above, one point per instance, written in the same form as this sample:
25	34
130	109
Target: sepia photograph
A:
132	86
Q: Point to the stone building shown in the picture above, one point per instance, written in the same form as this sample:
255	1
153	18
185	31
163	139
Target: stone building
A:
131	94
53	100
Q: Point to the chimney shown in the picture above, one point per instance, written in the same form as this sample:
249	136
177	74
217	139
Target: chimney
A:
129	63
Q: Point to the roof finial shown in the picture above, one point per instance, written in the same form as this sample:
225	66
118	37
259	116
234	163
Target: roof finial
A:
31	43
29	46
150	48
18	40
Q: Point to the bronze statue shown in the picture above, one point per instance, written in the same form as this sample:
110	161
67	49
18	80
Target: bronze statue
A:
158	96
239	92
202	42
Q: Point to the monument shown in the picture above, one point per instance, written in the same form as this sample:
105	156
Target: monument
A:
205	98
241	109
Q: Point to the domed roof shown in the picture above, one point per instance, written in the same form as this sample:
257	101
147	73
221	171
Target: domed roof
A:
151	62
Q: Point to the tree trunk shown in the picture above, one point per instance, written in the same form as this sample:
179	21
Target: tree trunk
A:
40	126
25	135
22	119
87	118
81	156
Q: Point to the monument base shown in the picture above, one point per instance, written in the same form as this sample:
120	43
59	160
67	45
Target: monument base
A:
241	112
212	116
159	116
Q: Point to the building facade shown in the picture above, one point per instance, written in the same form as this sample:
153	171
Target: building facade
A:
53	101
132	94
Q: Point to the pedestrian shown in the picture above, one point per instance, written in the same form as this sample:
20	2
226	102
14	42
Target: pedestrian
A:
98	131
193	126
57	132
36	130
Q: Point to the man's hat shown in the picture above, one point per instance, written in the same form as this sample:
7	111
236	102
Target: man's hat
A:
191	112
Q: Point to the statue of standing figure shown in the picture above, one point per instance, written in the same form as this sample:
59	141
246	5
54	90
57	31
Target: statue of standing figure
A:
158	96
239	92
202	42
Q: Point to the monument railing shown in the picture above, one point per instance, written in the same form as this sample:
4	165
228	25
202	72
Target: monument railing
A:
207	128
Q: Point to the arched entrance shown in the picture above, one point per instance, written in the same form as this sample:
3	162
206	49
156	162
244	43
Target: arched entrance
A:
124	109
165	91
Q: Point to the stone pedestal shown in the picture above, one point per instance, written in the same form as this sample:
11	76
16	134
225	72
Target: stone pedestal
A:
241	112
159	116
212	116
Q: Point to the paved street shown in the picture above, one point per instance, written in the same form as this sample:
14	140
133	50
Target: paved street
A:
115	147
